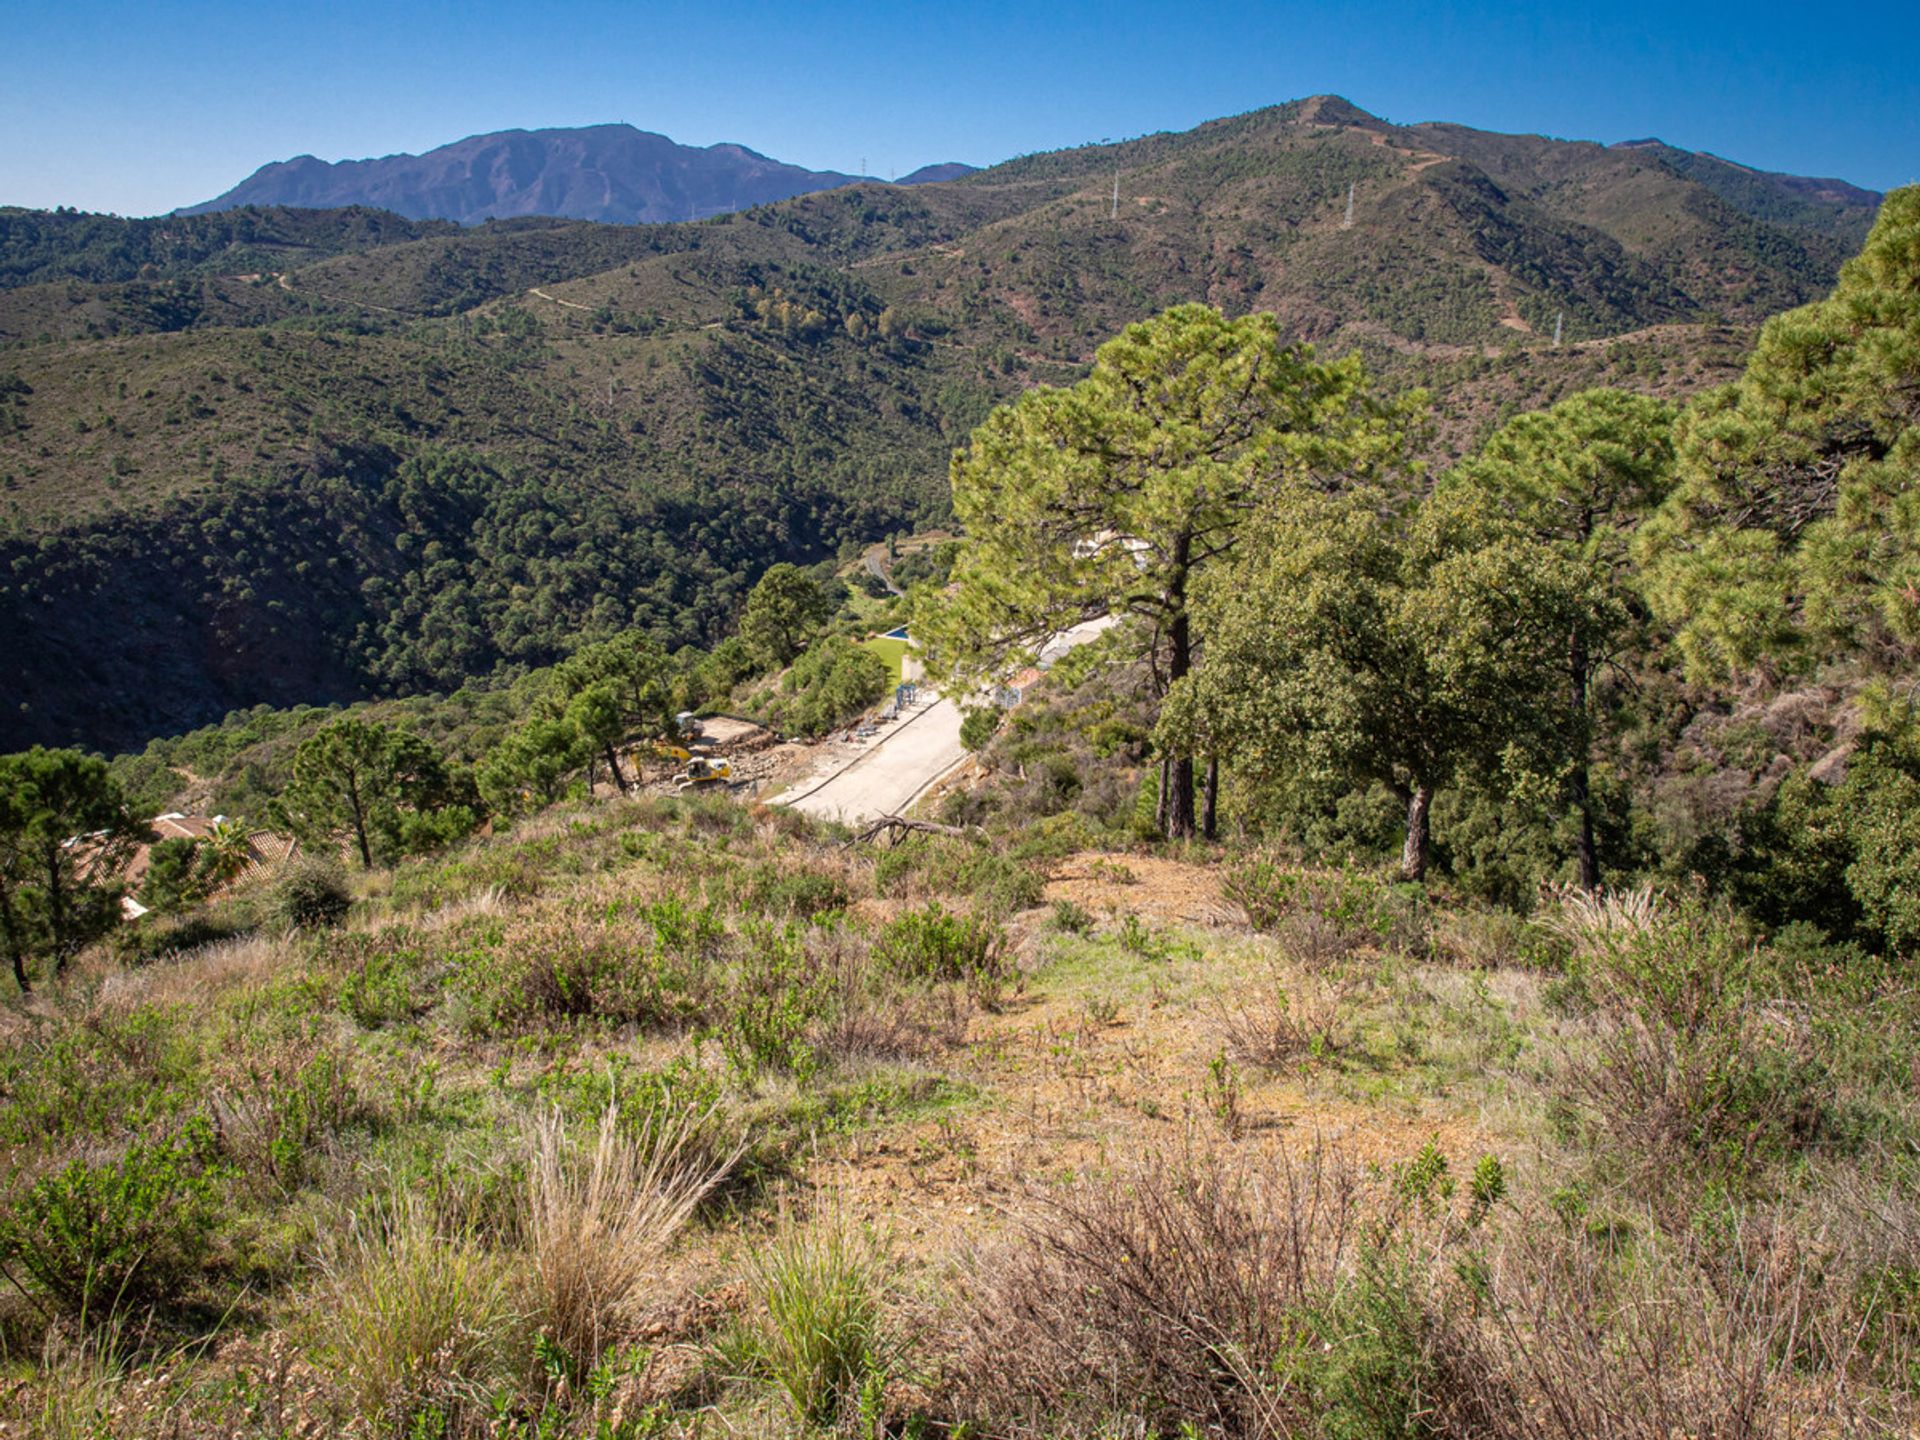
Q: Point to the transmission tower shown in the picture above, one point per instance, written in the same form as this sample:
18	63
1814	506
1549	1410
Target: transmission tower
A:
1347	224
1558	316
1116	195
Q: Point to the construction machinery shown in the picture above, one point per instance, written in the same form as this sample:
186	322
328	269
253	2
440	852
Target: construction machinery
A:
695	769
702	771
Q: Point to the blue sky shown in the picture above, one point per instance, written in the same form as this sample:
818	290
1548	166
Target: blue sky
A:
137	108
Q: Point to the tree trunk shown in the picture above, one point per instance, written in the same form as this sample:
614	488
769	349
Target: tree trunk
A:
16	949
1585	852
1210	801
359	813
1179	802
613	764
56	911
1413	857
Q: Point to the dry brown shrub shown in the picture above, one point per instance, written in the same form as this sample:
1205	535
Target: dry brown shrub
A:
1163	1293
1286	1018
600	1215
874	1014
1602	1338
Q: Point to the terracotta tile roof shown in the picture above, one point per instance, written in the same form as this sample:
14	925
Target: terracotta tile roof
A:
266	849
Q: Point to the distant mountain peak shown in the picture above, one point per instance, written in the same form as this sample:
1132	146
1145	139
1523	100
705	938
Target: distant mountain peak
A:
1335	110
611	172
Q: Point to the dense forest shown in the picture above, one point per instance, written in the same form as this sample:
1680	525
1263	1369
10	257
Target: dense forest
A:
192	408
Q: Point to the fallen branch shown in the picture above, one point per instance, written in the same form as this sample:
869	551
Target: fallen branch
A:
897	827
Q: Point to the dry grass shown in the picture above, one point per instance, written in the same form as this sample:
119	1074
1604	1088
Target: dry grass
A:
1595	920
1162	1293
413	1316
599	1216
244	963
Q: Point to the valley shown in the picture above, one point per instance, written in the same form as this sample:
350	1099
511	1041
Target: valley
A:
761	386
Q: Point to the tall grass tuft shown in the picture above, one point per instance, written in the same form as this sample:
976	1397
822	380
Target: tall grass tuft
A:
817	1329
1596	921
416	1319
600	1214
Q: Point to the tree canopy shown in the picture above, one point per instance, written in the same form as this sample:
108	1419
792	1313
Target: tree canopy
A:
1580	478
363	780
1116	494
1795	526
65	835
1360	643
783	610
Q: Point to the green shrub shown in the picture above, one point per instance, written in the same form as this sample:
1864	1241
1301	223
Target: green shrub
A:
103	1236
775	1001
1693	1074
1071	919
283	1088
1355	906
996	883
377	988
310	891
641	1101
791	893
651	966
935	944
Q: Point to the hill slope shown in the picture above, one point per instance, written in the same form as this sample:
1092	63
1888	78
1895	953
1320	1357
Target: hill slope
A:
380	468
611	173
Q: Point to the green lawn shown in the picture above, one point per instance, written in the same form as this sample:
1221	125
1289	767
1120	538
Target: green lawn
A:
890	650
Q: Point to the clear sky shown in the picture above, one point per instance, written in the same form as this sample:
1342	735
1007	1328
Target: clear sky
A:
139	107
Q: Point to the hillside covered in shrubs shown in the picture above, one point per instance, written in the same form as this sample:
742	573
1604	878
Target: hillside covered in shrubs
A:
1440	962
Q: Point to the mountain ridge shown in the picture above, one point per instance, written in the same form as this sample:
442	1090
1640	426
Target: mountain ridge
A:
613	173
578	427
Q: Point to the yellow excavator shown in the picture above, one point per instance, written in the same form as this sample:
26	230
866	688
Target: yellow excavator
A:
698	769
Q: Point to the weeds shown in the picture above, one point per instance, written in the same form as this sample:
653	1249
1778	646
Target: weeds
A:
1283	1020
817	1328
599	1216
416	1319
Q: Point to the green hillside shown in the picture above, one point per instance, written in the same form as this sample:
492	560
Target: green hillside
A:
186	411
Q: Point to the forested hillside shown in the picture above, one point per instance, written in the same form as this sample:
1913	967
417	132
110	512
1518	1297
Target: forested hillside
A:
1440	963
641	419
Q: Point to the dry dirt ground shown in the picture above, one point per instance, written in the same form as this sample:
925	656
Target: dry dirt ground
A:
1099	1053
